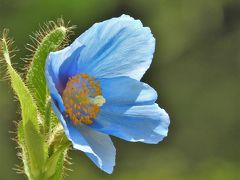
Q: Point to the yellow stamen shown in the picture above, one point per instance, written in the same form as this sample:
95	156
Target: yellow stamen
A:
82	98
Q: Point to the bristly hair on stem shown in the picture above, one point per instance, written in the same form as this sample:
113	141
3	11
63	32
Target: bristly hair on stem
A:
45	29
32	95
5	59
7	52
5	40
19	168
51	37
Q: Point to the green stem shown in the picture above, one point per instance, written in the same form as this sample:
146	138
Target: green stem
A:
32	141
47	119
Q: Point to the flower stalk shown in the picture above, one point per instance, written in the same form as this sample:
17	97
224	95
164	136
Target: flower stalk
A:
41	160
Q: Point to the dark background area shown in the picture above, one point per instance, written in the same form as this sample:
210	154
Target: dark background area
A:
195	71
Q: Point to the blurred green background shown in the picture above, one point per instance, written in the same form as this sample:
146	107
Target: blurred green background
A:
195	71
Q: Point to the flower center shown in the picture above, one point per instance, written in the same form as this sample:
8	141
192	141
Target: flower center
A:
82	98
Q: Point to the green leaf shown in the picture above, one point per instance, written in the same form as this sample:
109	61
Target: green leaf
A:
47	118
20	138
49	40
36	148
20	135
28	107
54	166
30	136
57	164
58	146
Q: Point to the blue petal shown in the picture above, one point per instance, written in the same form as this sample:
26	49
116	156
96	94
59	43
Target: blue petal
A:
127	91
52	86
130	111
144	123
62	64
70	67
116	47
97	146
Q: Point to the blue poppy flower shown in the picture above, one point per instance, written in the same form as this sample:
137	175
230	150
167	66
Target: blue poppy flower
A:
96	91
